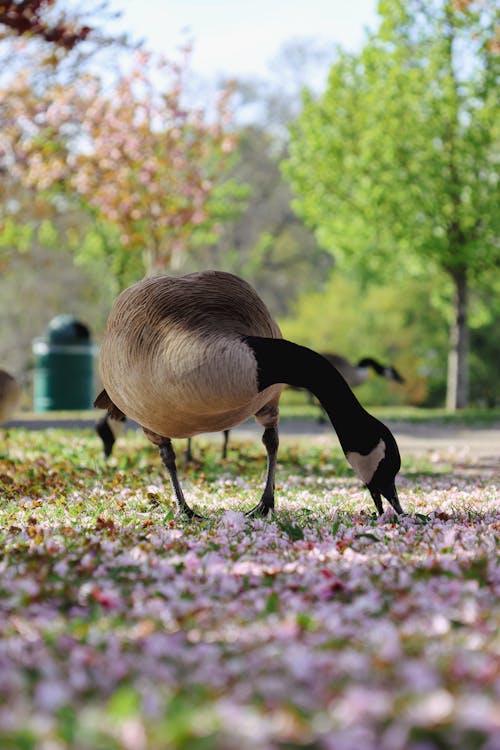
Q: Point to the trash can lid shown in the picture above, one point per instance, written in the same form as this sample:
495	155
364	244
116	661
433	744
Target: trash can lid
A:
65	329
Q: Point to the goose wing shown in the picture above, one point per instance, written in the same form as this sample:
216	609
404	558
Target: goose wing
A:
103	401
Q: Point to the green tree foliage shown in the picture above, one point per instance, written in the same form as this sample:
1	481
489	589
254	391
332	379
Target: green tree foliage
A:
485	342
404	326
266	243
52	260
396	165
39	284
137	155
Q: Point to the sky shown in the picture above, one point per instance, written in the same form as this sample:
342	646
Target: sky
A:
241	37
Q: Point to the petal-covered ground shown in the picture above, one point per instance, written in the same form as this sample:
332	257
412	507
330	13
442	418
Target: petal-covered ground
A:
122	626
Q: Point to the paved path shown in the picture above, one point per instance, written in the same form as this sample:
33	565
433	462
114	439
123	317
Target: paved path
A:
480	443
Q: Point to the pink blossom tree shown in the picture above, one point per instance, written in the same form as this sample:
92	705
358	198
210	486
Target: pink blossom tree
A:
133	151
32	18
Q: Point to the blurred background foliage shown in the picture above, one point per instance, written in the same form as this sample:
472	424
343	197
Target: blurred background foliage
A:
60	251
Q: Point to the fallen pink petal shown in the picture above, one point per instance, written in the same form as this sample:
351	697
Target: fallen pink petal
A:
323	626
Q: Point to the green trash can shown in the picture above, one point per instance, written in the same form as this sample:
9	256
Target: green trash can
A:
64	367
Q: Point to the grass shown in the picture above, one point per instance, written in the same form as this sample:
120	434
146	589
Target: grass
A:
125	627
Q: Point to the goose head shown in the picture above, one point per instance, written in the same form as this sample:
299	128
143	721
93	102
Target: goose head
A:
378	466
392	374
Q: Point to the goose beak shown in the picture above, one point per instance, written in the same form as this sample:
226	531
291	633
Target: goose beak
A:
393	374
398	378
391	494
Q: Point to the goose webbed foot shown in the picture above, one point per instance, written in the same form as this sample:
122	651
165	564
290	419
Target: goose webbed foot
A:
167	454
190	513
264	507
397	507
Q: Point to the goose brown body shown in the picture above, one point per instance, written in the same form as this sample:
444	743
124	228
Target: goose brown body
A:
173	356
10	395
201	353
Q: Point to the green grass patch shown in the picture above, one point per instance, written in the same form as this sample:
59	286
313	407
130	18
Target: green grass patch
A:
125	625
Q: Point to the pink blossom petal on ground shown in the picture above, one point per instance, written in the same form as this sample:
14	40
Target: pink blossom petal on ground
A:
321	626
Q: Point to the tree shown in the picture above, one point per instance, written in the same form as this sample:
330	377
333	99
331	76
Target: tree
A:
44	34
265	243
395	167
32	18
271	102
135	154
384	324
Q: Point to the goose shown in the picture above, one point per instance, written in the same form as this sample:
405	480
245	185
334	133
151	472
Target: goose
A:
109	429
358	374
10	396
201	353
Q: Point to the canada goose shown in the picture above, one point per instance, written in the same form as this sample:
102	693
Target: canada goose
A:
358	374
201	353
109	429
10	396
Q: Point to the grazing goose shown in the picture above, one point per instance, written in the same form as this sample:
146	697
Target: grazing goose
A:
109	429
358	374
10	396
201	353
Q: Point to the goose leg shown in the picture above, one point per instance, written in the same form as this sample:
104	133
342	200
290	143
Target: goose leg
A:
189	453
167	454
224	444
270	439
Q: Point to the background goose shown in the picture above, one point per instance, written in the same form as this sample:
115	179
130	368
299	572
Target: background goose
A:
358	374
201	353
109	429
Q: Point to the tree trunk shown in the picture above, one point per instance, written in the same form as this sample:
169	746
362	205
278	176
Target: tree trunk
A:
457	392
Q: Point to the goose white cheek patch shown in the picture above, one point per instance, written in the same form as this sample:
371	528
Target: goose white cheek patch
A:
366	466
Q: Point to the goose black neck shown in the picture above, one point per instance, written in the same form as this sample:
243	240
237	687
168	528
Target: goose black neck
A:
281	361
369	362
